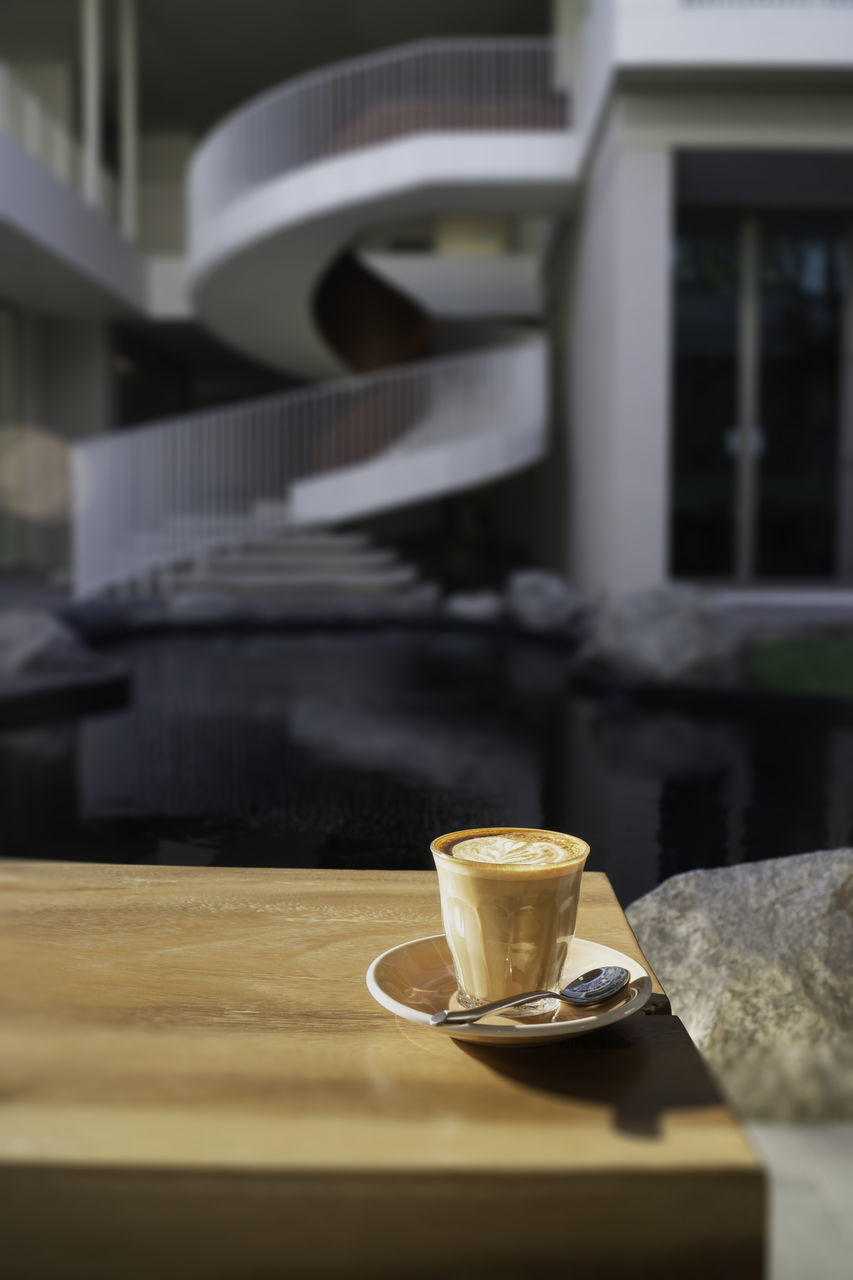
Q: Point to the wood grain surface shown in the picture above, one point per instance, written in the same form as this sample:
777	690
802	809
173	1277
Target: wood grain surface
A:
195	1082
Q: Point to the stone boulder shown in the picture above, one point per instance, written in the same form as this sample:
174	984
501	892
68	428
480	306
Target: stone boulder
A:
757	962
542	601
31	639
666	634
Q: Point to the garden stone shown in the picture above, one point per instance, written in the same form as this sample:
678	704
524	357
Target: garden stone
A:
31	638
666	633
756	960
539	600
474	606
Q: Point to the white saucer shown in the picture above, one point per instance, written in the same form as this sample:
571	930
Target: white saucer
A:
415	980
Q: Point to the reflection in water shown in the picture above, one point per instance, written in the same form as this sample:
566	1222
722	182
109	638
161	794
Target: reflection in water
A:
657	794
338	749
355	749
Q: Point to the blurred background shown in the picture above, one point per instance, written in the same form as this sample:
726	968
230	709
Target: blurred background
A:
352	313
660	189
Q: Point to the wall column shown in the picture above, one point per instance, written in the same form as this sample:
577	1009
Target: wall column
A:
615	365
90	98
128	112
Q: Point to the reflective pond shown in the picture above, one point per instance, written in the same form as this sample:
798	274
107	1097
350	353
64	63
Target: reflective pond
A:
352	749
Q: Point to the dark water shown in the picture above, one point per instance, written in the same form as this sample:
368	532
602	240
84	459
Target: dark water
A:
353	749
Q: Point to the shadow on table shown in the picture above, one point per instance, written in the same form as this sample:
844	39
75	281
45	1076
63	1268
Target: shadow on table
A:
645	1067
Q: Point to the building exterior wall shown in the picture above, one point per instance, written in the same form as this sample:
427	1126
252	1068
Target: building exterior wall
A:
612	327
650	79
59	391
52	83
615	336
75	381
163	161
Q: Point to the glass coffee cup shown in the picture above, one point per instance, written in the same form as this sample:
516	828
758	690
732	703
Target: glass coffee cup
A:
509	900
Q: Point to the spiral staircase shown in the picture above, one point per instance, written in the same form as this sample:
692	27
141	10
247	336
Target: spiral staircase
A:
280	196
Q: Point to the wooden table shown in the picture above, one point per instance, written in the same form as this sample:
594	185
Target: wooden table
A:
176	1102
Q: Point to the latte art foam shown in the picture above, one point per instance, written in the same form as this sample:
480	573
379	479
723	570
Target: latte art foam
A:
530	852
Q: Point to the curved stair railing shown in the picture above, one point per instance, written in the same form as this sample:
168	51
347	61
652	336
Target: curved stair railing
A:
296	176
170	493
474	85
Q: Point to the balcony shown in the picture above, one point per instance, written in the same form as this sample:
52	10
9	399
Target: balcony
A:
57	252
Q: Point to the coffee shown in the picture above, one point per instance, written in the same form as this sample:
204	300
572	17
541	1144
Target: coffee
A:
509	898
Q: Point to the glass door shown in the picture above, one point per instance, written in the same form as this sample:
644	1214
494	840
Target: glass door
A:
705	318
759	318
801	311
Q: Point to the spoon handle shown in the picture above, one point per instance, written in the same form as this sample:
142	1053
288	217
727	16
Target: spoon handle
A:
459	1017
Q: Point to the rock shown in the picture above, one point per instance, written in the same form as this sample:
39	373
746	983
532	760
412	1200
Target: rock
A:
541	601
474	606
666	633
756	960
31	639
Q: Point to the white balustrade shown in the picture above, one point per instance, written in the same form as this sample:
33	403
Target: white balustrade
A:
24	117
171	492
433	85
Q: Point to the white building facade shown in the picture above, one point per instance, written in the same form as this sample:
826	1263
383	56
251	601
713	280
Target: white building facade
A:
653	197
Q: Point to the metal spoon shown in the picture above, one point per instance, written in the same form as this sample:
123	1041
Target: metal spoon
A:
591	987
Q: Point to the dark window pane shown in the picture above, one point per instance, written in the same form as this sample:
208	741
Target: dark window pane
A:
704	395
802	286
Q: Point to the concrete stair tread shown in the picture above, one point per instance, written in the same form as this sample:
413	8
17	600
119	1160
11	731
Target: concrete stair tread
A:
255	536
272	564
213	578
316	540
418	600
270	560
